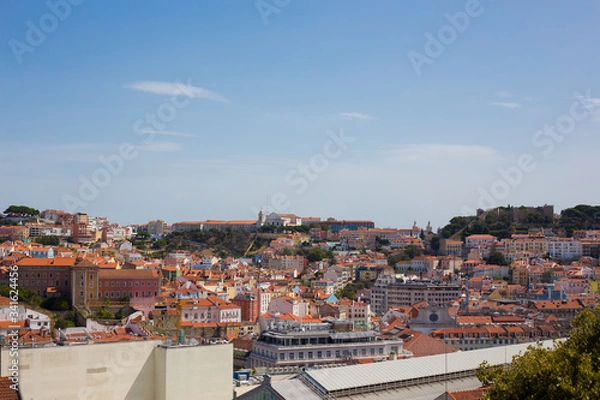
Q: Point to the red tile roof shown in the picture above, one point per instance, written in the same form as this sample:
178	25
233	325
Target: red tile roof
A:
470	394
45	262
6	392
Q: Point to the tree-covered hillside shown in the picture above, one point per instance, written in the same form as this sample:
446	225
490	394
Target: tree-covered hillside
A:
233	242
580	217
502	222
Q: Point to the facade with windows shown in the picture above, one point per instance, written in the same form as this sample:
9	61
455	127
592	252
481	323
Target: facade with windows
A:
132	283
387	292
67	276
209	310
565	248
316	344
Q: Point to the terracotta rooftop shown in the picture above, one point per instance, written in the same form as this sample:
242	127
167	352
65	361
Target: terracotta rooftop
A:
46	262
421	344
469	394
6	392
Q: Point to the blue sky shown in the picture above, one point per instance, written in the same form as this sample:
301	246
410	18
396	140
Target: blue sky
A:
264	85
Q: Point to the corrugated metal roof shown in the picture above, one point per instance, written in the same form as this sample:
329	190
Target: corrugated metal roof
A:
356	376
294	389
425	391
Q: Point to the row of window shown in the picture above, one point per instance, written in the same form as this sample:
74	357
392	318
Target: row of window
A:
44	283
125	284
226	314
319	354
45	275
118	294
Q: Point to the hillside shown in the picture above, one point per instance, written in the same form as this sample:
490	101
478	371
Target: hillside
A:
229	242
502	222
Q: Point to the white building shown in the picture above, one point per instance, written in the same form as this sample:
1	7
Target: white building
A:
288	349
567	248
357	312
283	220
479	240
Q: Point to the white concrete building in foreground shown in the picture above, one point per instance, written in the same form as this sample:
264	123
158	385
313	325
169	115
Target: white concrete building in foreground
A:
136	370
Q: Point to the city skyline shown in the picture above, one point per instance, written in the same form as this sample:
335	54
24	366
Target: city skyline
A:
216	110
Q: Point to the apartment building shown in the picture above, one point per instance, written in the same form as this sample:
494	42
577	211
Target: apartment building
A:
284	262
83	233
387	292
248	301
476	337
479	240
357	312
564	248
337	226
14	232
523	245
450	247
209	310
40	230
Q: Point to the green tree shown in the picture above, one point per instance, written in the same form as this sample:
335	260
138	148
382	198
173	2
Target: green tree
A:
159	244
103	313
497	258
383	242
142	235
346	293
60	303
547	276
570	370
395	258
413	251
25	295
435	243
48	240
316	254
22	210
67	320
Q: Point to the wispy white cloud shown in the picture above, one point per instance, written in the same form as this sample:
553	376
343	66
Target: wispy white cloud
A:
176	89
428	152
506	104
167	133
161	147
592	104
77	147
502	93
356	115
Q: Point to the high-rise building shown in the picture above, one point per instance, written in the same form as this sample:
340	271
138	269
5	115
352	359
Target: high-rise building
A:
82	232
